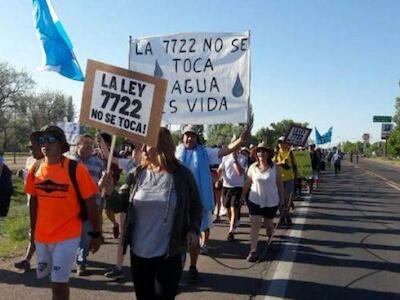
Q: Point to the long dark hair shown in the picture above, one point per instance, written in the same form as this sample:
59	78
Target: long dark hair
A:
166	152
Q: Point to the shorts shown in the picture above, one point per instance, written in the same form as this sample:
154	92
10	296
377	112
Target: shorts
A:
206	221
56	259
266	212
288	186
231	196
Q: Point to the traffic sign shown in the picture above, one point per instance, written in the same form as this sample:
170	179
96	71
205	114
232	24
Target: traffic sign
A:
387	128
382	119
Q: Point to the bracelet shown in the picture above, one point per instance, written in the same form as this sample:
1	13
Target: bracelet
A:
94	234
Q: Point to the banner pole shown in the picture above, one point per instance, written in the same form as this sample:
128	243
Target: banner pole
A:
249	83
129	52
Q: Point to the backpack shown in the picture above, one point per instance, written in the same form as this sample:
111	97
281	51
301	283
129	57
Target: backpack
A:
83	215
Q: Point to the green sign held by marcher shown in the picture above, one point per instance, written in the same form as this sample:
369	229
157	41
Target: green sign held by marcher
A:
303	163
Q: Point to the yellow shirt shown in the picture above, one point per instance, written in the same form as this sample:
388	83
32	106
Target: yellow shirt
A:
281	157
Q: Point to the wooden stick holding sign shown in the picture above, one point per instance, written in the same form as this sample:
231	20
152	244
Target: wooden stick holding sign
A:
103	148
110	155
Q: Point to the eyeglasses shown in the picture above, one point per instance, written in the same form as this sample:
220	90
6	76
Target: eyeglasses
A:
47	138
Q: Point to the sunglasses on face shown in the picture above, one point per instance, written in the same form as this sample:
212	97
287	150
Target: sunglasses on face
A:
47	138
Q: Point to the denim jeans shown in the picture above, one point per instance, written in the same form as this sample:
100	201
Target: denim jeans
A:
83	249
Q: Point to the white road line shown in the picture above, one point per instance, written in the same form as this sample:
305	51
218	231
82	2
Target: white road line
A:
283	268
387	181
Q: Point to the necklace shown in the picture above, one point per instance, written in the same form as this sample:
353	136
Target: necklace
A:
155	177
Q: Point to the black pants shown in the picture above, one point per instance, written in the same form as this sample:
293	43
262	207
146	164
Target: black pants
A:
4	205
337	168
156	278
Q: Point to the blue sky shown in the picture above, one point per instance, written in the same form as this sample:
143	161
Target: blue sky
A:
328	63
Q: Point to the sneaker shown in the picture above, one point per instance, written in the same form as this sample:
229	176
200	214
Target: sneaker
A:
114	274
252	257
204	249
231	237
81	271
282	220
23	265
193	274
116	230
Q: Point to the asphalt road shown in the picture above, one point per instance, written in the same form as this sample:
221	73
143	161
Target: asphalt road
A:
346	241
344	245
389	172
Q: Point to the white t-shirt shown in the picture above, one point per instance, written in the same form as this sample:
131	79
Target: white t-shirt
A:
230	177
264	190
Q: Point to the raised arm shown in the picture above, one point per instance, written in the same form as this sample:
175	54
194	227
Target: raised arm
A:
243	138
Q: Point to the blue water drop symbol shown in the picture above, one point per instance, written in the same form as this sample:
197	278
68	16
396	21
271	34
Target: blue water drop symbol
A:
158	71
238	90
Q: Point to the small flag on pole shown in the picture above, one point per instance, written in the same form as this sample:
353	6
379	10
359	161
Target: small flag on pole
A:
57	48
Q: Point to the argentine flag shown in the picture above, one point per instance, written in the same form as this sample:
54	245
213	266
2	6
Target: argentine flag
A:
57	48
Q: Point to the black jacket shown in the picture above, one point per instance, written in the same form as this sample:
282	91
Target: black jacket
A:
6	189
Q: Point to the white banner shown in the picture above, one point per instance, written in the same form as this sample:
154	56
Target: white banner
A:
208	75
71	130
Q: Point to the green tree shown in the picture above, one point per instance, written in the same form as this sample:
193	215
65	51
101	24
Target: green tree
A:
265	134
396	117
222	134
14	84
393	145
176	136
271	135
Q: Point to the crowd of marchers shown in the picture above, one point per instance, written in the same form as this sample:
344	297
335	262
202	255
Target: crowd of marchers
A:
166	207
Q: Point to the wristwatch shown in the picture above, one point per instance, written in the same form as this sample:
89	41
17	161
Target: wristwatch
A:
94	234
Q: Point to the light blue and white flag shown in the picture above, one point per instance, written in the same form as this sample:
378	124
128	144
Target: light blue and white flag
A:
57	48
323	139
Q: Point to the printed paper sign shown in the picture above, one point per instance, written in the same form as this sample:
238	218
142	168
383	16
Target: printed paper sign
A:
297	135
123	102
208	75
302	160
71	130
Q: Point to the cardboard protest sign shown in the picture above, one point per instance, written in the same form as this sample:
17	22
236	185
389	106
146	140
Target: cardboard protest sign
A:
208	75
123	102
297	135
302	160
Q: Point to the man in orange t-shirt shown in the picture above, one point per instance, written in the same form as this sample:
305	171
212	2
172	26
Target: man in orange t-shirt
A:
55	208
